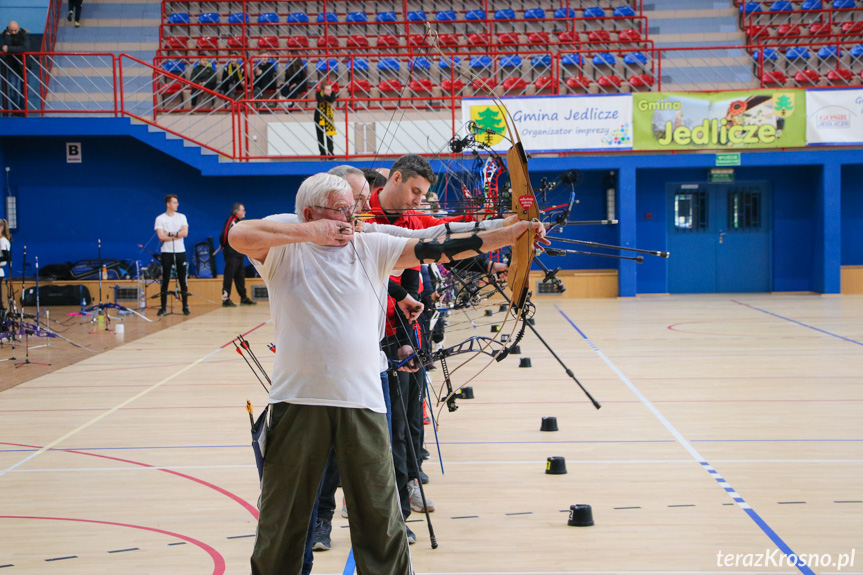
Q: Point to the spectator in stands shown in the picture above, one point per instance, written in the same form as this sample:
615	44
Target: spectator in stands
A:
13	43
234	269
232	78
295	81
75	10
325	122
265	75
204	74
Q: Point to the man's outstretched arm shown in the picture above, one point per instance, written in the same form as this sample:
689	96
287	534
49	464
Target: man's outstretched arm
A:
254	238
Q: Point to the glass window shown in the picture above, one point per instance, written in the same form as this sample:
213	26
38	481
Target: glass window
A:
744	209
690	210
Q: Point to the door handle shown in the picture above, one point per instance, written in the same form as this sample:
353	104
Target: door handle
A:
721	236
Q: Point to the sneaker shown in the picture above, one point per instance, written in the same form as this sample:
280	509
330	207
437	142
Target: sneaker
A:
321	537
247	301
228	303
423	477
412	538
161	312
69	16
344	508
186	311
77	24
424	454
417	498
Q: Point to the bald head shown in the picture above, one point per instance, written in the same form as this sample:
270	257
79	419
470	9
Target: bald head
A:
13	27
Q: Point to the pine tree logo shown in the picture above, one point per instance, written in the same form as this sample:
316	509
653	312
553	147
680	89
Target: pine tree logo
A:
490	127
783	104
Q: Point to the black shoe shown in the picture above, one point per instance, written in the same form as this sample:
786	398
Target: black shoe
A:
69	16
186	311
321	537
228	303
423	477
412	538
424	454
161	312
247	301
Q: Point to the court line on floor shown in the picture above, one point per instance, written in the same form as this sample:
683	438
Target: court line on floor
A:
777	540
800	323
114	409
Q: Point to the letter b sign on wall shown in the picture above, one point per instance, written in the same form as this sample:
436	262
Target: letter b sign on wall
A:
73	152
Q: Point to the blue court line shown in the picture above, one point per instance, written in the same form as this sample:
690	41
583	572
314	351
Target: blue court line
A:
351	565
28	450
849	340
780	544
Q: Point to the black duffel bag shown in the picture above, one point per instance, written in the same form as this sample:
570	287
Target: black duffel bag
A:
57	295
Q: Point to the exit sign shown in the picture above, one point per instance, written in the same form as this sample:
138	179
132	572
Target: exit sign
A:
722	174
727	159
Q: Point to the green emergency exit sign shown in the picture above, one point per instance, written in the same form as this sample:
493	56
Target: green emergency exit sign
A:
727	159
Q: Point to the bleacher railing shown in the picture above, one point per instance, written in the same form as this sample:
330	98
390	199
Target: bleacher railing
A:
387	105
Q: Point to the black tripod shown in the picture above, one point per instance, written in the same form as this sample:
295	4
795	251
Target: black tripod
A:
101	309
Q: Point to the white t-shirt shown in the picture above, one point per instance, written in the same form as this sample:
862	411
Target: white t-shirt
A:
172	224
328	305
4	245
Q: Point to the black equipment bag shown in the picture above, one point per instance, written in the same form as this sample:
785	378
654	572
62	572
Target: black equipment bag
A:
57	295
206	263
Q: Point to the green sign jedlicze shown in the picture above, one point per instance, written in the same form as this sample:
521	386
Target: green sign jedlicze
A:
719	121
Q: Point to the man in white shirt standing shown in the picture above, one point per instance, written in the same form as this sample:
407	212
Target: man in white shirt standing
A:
327	297
172	227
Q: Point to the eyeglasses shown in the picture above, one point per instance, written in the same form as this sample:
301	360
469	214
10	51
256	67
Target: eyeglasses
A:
347	211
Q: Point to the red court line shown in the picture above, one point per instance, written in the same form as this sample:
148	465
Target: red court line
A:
218	560
245	504
245	334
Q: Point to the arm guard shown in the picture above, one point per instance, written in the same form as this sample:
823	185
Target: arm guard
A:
450	248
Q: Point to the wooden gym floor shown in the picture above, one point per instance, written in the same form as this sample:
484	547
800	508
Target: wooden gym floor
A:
730	424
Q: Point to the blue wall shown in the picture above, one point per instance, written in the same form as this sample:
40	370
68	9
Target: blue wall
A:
117	191
30	15
115	195
852	216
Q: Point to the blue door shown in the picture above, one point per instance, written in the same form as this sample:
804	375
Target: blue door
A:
719	238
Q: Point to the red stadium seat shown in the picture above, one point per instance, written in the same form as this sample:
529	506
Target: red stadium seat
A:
484	84
840	75
568	37
628	36
757	31
297	42
511	84
390	86
538	38
448	39
327	42
610	81
422	85
642	81
171	88
507	38
788	30
452	85
416	40
546	83
207	43
357	41
807	77
359	86
265	42
578	82
820	29
388	40
774	77
478	40
236	43
852	27
599	36
173	43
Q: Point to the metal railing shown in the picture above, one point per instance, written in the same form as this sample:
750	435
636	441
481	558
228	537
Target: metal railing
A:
386	105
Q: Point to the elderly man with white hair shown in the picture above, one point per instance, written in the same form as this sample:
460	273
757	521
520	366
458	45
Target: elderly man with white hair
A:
327	293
